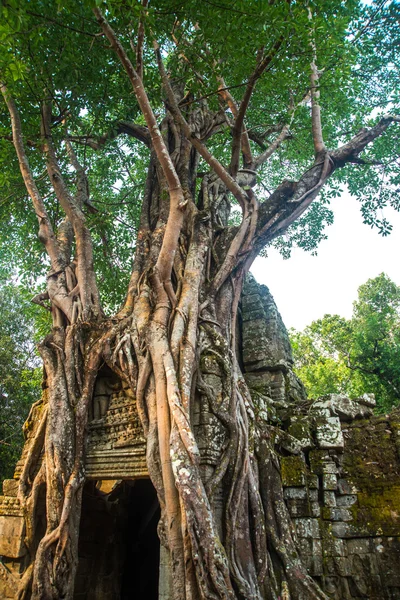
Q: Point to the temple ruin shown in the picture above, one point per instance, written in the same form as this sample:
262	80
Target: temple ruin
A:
340	468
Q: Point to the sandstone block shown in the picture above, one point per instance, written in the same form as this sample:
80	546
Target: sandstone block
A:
340	529
329	433
329	481
295	493
329	467
299	508
251	302
8	583
317	458
312	481
293	470
315	509
10	487
342	566
338	514
329	498
346	501
300	429
307	528
343	407
334	546
315	565
11	536
358	546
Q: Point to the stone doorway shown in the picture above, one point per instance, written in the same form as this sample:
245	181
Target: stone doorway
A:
119	549
140	574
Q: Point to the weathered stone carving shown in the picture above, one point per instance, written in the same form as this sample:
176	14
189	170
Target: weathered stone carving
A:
116	444
267	355
101	397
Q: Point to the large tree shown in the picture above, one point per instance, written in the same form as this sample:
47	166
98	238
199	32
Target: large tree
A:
186	136
358	355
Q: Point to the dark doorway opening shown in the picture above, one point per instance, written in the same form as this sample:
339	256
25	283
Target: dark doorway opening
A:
142	546
119	549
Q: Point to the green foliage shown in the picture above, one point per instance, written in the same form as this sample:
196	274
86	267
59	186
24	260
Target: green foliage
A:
335	355
54	48
20	373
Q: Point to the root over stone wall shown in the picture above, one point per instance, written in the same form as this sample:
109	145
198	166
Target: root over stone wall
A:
340	468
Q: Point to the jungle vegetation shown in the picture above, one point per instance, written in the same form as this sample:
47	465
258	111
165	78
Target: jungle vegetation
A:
150	151
358	355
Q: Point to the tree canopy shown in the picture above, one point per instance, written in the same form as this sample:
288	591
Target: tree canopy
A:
56	49
355	356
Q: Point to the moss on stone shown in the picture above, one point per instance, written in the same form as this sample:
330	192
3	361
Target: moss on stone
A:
300	430
370	457
377	513
316	458
293	471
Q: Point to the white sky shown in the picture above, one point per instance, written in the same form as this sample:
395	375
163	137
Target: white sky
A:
307	287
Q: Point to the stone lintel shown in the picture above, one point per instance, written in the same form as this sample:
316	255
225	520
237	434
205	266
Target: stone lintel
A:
127	463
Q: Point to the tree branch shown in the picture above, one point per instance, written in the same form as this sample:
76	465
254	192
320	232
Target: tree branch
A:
315	96
283	135
239	120
222	173
177	201
29	143
350	151
73	209
291	198
144	104
231	102
70	207
139	132
261	158
139	47
259	138
46	233
82	196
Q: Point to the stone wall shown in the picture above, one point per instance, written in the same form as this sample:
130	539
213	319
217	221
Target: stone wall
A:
340	468
266	352
343	493
340	464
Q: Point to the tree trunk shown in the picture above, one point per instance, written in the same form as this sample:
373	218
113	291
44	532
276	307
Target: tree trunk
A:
223	517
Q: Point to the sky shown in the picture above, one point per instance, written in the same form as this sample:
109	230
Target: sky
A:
306	287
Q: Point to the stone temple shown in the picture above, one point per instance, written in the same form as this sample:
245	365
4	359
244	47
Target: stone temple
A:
340	468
